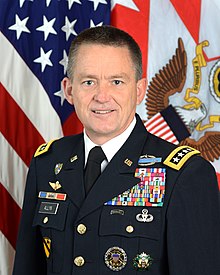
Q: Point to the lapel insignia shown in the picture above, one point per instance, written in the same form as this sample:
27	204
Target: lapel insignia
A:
128	162
51	195
47	246
55	185
147	160
150	191
72	159
58	168
179	156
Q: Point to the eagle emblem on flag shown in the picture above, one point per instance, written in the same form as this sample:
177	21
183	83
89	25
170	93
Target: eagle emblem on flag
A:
170	81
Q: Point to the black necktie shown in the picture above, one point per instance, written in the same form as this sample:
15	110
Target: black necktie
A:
93	167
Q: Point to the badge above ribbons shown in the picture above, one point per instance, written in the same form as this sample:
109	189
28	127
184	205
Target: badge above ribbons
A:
149	191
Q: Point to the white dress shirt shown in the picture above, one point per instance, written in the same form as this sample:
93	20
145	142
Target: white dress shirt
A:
111	147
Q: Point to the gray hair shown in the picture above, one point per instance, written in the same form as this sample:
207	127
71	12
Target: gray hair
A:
107	36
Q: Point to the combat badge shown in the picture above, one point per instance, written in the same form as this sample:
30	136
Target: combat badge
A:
147	160
142	262
115	258
47	246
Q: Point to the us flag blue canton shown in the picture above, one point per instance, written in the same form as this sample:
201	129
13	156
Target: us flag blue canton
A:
42	30
150	191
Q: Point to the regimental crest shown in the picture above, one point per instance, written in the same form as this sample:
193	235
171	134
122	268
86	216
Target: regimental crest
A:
150	191
58	167
202	122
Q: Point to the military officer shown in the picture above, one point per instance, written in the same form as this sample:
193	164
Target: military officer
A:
154	207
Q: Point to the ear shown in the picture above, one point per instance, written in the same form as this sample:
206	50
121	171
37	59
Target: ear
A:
67	89
141	90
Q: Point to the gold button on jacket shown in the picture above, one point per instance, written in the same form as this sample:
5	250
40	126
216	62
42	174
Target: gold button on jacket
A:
79	261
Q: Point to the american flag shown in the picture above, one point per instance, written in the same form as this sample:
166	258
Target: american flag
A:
34	40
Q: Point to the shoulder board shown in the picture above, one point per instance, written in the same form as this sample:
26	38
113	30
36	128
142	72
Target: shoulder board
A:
179	156
43	148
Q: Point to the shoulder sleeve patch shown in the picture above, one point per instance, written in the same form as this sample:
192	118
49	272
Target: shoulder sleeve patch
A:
43	148
179	156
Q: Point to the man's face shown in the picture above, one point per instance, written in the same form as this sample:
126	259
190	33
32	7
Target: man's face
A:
104	90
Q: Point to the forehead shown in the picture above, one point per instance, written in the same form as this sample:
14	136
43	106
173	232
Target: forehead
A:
96	56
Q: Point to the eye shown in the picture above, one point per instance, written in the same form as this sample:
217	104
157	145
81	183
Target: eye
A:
88	83
117	82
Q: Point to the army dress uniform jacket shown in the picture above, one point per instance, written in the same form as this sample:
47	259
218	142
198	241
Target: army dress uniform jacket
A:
115	229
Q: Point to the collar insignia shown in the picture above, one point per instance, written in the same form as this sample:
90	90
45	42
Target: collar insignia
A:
72	159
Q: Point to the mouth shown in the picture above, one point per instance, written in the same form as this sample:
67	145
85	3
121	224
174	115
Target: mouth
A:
102	112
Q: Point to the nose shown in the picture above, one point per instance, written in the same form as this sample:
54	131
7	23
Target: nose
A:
102	93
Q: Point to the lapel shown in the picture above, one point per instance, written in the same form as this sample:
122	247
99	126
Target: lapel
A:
119	173
71	175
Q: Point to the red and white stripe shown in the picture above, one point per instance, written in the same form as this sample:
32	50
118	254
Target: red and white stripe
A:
26	120
158	126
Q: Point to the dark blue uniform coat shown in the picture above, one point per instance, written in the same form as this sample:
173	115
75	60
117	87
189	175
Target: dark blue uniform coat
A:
182	239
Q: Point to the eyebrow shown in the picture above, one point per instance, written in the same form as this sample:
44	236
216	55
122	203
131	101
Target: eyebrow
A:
121	75
114	76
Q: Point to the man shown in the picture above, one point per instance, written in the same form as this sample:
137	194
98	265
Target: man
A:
153	208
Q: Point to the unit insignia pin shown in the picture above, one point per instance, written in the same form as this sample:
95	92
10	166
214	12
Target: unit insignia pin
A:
144	217
47	246
142	262
58	168
72	159
55	185
115	258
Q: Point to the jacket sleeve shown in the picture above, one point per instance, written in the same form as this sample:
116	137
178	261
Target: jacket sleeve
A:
193	222
30	256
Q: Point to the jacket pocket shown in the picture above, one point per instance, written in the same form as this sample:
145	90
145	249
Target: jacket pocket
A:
131	222
50	217
136	230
